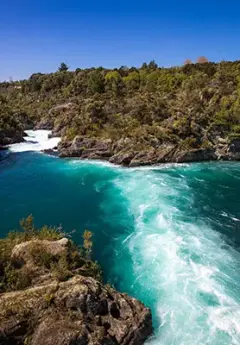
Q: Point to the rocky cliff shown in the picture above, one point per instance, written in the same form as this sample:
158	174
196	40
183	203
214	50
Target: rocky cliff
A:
123	152
76	310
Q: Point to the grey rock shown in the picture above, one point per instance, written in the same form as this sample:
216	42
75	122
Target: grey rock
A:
79	311
194	155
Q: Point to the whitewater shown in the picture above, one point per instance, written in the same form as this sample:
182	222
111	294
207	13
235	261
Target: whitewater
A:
179	251
187	267
36	140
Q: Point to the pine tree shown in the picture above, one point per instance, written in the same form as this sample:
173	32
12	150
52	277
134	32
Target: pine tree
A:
63	67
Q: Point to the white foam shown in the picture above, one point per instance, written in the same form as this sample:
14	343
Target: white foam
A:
96	162
185	265
129	170
36	141
159	166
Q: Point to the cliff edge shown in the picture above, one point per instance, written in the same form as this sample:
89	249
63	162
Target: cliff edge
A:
52	295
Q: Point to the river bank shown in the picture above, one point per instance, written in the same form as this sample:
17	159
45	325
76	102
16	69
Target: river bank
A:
119	153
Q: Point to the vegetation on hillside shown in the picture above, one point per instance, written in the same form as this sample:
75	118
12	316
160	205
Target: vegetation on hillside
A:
188	106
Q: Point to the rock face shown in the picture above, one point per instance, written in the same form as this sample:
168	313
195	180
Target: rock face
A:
124	153
79	311
196	155
91	148
229	151
11	137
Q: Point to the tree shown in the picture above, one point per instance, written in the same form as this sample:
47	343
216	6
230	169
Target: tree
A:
188	62
144	65
95	82
113	81
63	67
151	81
202	59
124	68
152	65
132	81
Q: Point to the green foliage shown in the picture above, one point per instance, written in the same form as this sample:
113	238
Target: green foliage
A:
152	65
27	224
71	133
236	129
132	81
61	269
113	76
196	100
63	67
15	275
40	256
113	82
15	279
95	82
189	143
87	243
49	299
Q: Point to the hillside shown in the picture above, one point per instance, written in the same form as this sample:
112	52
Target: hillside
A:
131	116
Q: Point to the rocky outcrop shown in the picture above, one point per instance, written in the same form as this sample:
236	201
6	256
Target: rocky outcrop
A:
11	137
154	156
91	148
123	152
195	155
122	158
228	151
79	311
23	251
45	123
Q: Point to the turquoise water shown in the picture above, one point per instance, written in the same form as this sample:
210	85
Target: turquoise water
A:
169	236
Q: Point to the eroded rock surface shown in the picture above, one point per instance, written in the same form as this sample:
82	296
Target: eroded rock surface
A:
79	311
124	153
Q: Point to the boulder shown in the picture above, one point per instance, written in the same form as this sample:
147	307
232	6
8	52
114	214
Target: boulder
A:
23	251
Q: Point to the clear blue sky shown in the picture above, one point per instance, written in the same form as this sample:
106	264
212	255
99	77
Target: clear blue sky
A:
35	36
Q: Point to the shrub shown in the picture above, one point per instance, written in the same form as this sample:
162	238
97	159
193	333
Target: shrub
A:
87	243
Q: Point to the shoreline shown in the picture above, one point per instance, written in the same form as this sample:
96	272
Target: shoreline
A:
55	153
121	153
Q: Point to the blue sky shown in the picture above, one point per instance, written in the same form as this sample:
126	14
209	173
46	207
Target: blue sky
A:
35	36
